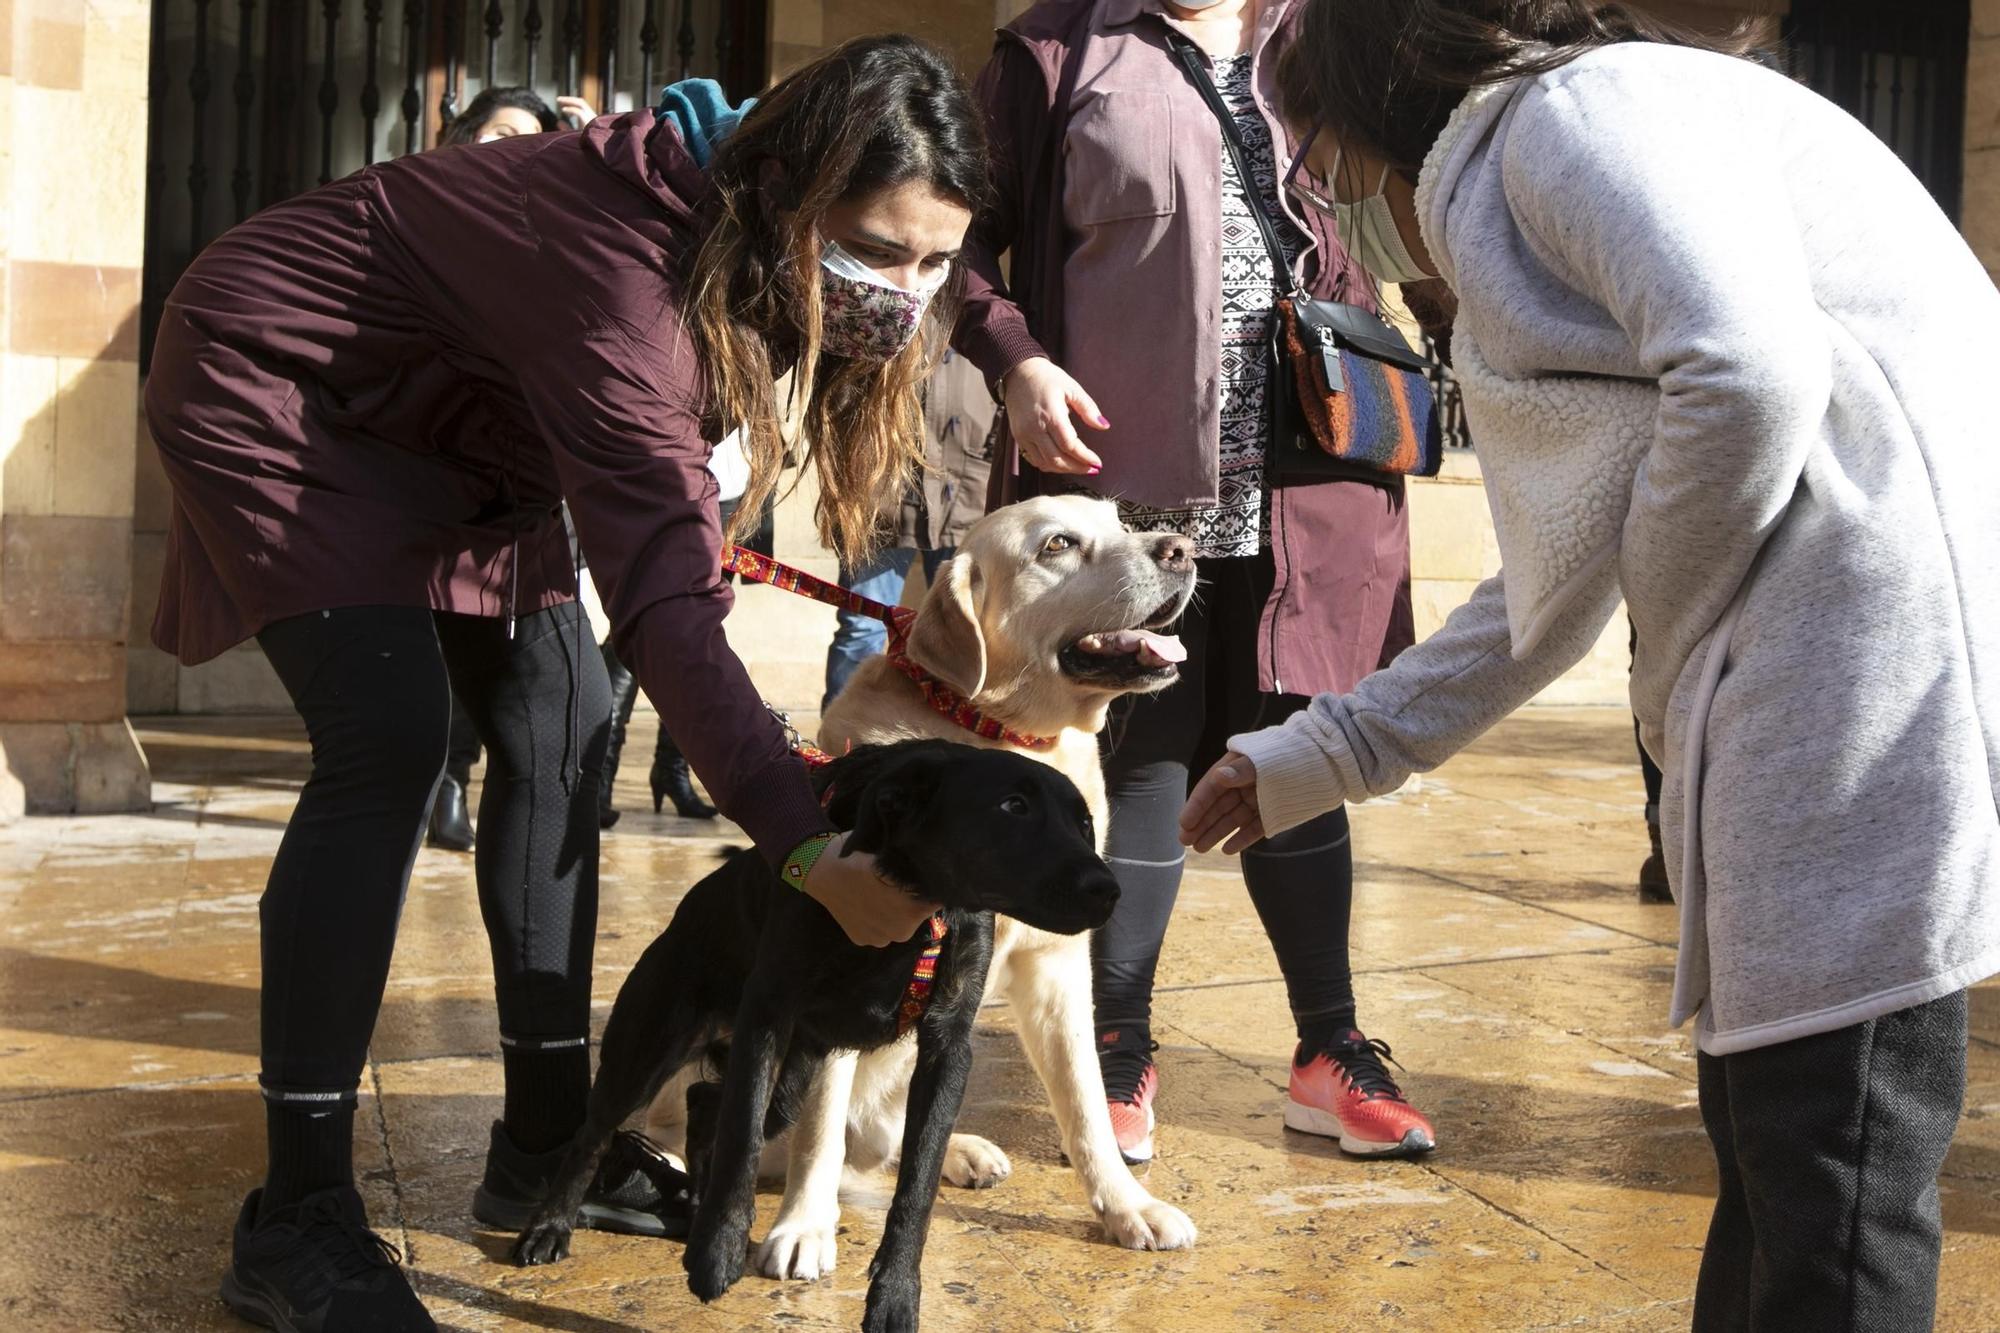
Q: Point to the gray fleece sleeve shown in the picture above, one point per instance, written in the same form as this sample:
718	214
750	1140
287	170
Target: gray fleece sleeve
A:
1684	234
1426	706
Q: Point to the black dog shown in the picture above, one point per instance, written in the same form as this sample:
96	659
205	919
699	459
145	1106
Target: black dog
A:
979	831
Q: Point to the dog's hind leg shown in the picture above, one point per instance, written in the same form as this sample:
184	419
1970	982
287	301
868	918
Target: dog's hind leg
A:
720	1238
635	1059
788	1091
802	1243
1052	1004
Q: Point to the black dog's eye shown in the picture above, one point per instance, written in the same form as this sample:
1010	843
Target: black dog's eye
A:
1059	543
1015	805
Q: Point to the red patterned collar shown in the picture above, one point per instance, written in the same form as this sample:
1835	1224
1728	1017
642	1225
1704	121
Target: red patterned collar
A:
917	995
948	702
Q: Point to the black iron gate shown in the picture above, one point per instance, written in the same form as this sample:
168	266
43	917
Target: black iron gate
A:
252	102
1900	69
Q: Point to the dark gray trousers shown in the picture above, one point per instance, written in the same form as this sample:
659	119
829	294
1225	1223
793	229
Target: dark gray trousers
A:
1828	1150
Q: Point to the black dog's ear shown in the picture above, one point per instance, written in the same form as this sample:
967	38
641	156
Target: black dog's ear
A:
880	807
901	788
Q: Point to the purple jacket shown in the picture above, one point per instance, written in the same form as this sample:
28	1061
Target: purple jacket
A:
1107	175
379	393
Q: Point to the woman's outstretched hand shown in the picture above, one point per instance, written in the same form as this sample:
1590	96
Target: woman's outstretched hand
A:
1222	806
1041	396
873	912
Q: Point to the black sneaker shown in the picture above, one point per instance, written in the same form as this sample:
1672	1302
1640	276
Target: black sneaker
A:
636	1191
315	1267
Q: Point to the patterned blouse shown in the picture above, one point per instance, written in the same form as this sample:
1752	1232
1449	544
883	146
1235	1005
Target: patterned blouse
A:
1239	523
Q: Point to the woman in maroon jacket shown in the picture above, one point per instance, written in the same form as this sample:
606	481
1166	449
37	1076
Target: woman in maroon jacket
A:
1137	263
371	400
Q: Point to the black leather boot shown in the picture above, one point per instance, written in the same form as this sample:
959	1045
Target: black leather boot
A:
671	777
624	694
451	822
1653	885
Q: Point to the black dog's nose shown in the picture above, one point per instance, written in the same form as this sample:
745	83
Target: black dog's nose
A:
1174	554
1098	886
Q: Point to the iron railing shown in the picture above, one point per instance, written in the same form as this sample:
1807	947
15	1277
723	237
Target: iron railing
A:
1899	69
253	102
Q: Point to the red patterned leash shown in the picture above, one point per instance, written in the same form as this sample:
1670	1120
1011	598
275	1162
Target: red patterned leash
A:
942	697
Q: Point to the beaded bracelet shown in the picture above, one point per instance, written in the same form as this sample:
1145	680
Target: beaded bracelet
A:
804	857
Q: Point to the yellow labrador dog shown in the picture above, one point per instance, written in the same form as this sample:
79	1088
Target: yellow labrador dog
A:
1049	611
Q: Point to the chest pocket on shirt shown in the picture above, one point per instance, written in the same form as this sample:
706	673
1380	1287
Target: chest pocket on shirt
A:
1119	159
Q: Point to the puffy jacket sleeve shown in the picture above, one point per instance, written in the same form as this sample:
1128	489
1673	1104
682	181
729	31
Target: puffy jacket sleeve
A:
1013	94
618	406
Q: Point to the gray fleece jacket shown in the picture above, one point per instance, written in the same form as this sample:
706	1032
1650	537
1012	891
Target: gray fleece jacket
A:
1723	355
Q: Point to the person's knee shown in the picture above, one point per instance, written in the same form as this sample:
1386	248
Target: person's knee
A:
1326	834
392	740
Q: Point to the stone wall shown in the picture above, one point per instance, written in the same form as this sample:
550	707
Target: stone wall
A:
72	173
1981	212
801	29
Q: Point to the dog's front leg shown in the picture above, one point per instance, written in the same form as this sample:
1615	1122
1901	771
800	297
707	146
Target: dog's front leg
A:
937	1088
720	1237
802	1243
1051	997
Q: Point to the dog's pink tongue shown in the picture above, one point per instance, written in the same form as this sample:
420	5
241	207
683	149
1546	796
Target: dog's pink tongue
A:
1162	649
1152	649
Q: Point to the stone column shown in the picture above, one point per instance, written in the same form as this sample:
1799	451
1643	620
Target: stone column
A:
1980	218
72	187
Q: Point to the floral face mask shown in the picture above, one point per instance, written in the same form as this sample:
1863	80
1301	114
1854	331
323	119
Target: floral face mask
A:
863	314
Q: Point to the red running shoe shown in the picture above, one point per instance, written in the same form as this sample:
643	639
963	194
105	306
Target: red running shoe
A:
1131	1080
1343	1092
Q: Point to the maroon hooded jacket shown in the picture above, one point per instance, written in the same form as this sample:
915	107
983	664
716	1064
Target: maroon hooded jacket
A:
380	392
1340	602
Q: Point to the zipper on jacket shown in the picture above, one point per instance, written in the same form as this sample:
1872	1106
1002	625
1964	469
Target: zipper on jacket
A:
1278	538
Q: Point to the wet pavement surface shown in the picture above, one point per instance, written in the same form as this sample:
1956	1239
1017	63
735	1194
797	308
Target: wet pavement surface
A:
1499	945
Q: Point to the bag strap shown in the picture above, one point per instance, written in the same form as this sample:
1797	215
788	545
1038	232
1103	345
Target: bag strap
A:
1195	63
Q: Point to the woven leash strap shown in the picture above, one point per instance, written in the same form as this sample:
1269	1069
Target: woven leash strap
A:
917	995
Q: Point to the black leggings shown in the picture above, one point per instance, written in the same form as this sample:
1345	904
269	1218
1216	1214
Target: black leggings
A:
374	686
1301	881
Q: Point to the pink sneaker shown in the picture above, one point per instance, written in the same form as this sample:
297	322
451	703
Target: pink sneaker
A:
1131	1080
1343	1092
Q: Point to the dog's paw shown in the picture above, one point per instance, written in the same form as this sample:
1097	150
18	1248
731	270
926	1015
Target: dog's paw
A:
714	1266
973	1163
802	1248
892	1305
544	1242
1148	1224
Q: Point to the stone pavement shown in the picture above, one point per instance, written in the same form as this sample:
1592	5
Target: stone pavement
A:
1499	946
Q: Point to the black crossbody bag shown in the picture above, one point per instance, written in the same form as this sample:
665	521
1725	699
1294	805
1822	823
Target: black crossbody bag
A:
1349	398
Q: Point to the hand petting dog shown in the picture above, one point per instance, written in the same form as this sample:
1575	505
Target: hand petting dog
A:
870	910
1223	805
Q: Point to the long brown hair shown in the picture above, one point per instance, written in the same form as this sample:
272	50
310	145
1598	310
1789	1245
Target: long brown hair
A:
873	114
1387	74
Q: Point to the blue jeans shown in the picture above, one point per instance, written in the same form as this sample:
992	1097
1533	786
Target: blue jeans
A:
859	636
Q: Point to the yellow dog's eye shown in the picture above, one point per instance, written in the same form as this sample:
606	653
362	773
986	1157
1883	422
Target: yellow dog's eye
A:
1059	543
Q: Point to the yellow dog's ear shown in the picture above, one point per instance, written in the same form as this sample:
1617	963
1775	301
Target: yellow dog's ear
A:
946	639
